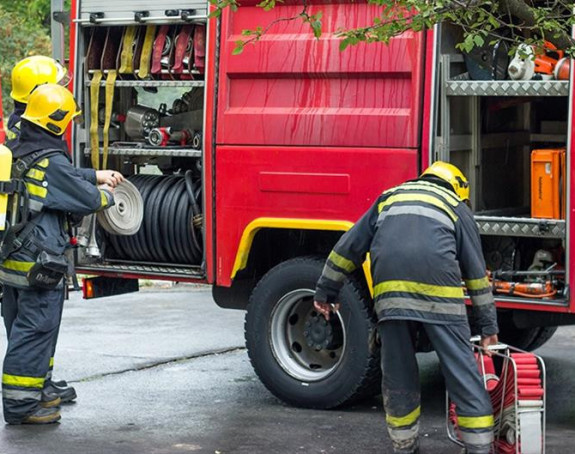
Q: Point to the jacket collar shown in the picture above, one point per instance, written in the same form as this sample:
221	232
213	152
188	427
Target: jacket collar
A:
34	138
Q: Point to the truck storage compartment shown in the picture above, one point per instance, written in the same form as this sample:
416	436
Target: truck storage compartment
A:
143	102
510	138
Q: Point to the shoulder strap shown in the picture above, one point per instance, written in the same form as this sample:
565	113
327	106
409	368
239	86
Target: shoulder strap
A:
22	165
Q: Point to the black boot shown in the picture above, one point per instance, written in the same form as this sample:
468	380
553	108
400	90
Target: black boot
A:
50	400
40	416
65	393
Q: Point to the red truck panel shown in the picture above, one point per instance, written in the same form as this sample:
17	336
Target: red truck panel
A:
295	182
306	131
291	89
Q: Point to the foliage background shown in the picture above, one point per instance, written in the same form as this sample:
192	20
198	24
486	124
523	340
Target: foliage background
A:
24	31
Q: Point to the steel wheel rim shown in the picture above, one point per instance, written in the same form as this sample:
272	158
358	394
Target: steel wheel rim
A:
288	341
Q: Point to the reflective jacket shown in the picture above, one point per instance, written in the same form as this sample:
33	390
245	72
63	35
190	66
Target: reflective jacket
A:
423	243
55	188
14	123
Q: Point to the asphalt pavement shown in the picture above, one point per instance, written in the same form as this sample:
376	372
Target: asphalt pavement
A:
166	372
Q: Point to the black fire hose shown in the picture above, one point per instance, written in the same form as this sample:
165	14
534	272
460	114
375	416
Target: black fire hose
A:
171	228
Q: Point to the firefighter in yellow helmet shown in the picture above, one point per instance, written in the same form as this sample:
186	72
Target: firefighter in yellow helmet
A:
27	74
32	257
423	242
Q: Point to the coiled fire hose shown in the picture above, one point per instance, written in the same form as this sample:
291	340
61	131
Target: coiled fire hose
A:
171	224
126	215
517	395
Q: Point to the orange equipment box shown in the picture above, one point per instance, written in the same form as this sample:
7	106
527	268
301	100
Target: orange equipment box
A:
548	183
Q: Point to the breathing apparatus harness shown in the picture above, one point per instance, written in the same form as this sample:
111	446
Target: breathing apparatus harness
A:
20	221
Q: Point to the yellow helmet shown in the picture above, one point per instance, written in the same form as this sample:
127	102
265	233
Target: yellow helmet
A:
33	71
51	107
452	175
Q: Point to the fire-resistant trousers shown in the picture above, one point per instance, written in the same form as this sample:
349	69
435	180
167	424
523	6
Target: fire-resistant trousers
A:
401	389
35	320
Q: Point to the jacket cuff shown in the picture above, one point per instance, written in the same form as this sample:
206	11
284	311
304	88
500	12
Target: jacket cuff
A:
489	330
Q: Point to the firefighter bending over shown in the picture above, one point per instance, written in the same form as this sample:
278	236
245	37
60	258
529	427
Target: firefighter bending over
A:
423	241
32	258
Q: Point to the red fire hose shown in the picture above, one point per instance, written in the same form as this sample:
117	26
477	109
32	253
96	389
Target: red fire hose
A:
518	397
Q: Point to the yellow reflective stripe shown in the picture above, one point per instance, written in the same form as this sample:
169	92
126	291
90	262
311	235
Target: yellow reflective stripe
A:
36	190
23	382
342	262
429	199
10	135
402	421
418	288
450	197
36	174
52	361
477	284
475	422
44	163
16	265
103	200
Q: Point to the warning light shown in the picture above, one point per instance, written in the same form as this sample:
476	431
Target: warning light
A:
88	289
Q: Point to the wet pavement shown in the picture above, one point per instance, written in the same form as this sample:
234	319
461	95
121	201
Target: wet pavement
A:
162	372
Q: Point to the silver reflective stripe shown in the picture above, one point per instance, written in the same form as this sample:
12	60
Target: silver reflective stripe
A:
18	394
35	205
482	300
435	307
476	438
332	274
13	279
417	211
404	434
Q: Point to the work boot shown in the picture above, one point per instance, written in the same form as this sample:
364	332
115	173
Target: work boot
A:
41	416
65	393
50	400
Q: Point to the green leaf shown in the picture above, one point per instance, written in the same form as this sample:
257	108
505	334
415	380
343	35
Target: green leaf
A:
239	48
316	26
215	13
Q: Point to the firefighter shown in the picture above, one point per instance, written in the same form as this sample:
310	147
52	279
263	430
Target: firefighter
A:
423	242
32	260
27	74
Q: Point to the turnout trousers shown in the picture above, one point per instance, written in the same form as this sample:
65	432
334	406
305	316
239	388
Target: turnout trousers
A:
401	389
32	319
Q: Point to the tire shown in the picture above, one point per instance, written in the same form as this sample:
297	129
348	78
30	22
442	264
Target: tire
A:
527	339
280	322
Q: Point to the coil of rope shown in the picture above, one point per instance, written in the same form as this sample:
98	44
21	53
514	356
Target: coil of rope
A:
171	224
518	390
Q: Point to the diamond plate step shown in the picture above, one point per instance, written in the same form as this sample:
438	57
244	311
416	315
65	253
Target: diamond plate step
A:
507	88
523	227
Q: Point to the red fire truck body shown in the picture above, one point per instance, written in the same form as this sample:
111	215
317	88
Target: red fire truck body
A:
299	138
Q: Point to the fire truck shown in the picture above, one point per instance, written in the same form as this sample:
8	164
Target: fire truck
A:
250	167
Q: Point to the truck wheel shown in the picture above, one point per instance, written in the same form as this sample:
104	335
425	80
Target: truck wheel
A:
302	359
527	339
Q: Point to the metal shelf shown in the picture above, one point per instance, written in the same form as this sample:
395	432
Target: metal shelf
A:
154	83
506	88
522	227
153	152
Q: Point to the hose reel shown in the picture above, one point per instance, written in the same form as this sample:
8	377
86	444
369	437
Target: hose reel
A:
171	225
